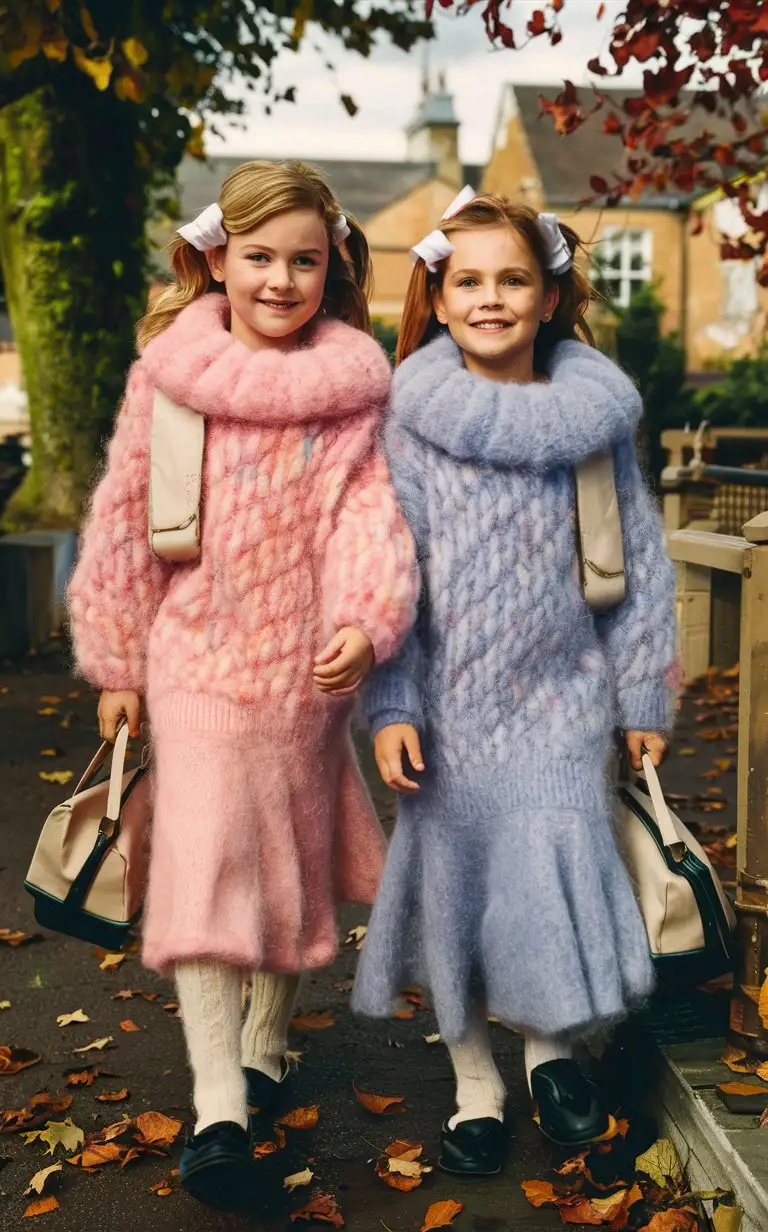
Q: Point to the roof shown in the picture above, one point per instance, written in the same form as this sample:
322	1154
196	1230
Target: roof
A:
363	187
566	163
434	109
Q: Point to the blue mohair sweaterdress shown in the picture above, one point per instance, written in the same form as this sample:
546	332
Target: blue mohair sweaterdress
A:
503	878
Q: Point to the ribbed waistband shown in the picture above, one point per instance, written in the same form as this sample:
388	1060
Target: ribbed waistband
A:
307	720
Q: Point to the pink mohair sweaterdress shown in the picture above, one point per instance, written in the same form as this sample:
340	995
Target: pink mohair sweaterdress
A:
261	819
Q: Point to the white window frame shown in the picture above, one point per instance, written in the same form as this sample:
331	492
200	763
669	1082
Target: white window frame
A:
623	241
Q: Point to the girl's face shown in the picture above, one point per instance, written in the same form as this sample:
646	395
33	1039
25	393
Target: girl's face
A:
493	299
274	277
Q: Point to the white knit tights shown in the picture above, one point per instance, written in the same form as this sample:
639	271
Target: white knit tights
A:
209	1000
541	1048
480	1091
265	1030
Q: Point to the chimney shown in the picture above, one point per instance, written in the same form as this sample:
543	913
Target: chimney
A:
433	135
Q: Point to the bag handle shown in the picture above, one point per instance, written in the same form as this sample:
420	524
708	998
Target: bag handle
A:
600	542
118	751
669	836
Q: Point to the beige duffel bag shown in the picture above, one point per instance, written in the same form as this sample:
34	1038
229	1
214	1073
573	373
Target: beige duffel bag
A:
89	868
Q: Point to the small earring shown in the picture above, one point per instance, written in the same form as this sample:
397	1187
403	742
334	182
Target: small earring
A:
548	317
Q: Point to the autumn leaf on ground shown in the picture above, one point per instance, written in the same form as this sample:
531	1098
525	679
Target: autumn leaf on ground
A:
15	937
161	1188
301	1118
112	1097
5	1005
736	1060
661	1163
129	1025
541	1193
762	1004
382	1105
686	752
726	1218
37	1184
82	1077
321	1208
317	1020
441	1214
400	1149
260	1149
298	1179
40	1206
600	1211
401	1172
56	776
13	1060
110	1132
111	961
673	1220
156	1129
51	752
36	1112
356	936
97	1154
97	1045
51	701
64	1020
57	1133
433	1039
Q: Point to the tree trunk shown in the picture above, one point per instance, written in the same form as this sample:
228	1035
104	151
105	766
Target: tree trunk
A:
73	207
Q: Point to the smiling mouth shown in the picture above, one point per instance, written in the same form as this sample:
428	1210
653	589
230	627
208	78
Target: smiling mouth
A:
279	305
491	326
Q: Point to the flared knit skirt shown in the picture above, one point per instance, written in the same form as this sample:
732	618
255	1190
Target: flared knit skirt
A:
261	825
506	883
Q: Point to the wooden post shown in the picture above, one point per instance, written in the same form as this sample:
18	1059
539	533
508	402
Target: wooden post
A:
752	804
694	592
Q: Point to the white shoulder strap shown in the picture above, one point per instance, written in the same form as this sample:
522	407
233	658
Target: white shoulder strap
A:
599	526
177	442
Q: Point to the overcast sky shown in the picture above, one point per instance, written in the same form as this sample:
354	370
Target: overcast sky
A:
386	87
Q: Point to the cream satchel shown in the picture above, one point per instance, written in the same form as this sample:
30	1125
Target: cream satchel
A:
88	871
601	551
687	915
175	481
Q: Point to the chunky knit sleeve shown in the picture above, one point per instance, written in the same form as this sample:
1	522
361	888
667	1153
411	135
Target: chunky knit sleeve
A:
118	584
393	692
639	635
371	577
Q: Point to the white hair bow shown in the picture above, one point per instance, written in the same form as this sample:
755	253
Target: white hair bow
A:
207	231
559	256
436	246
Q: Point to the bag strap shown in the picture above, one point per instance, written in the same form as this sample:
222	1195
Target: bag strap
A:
175	480
669	835
118	751
601	547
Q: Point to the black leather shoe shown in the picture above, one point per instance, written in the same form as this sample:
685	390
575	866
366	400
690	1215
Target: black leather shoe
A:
570	1110
473	1148
216	1165
264	1092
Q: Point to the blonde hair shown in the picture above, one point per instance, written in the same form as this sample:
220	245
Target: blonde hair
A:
420	325
252	194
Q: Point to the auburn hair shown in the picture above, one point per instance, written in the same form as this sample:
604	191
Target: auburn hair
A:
250	196
419	323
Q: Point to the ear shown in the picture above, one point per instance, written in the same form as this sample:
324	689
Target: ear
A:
438	304
551	300
215	259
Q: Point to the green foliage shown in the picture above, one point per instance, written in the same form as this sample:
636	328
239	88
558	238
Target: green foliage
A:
387	336
740	399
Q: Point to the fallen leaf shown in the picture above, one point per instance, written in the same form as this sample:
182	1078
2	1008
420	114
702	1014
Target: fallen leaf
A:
400	1149
541	1193
298	1179
576	1165
686	752
673	1220
37	1184
112	1097
57	1133
51	701
96	1154
741	1088
400	1174
111	961
172	1007
433	1039
726	1218
40	1206
734	1058
356	936
75	694
13	1060
600	1211
301	1118
441	1214
661	1163
260	1149
82	1077
16	937
5	1005
64	1020
51	752
762	1005
317	1020
115	1130
37	1112
382	1105
56	776
321	1208
97	1046
156	1129
129	1025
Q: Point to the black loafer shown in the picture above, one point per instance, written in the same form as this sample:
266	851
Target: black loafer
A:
570	1110
216	1165
473	1148
263	1092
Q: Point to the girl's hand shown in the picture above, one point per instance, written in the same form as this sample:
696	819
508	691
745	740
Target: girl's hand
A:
388	747
112	707
344	662
653	743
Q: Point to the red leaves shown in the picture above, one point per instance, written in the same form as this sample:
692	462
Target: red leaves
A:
321	1208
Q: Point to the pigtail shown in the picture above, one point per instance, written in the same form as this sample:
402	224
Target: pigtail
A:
569	318
349	284
192	278
418	325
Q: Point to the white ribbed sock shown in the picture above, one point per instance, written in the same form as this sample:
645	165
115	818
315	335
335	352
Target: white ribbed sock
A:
209	1000
541	1048
480	1090
264	1038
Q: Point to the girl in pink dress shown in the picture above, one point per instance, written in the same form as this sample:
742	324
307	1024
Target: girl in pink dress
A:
247	659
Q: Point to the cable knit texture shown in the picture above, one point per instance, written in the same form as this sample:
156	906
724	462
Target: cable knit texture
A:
503	870
261	817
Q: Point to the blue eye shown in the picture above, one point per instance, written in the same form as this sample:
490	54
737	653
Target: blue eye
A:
257	256
305	261
467	282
